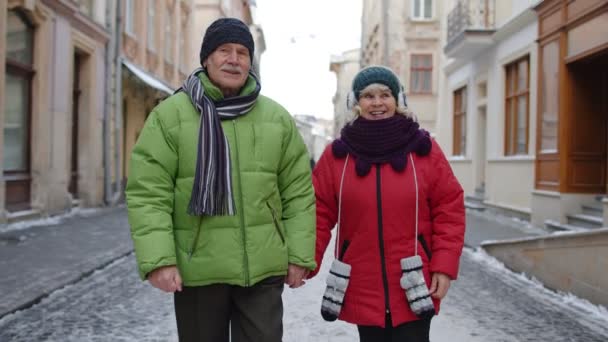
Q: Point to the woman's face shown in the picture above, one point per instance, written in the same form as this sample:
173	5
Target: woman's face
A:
377	102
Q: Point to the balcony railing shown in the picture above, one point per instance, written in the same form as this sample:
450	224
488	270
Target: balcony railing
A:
470	15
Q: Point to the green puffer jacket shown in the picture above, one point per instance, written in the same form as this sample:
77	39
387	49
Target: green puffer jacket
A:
275	205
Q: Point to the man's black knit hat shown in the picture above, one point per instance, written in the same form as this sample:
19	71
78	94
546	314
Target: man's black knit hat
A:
226	30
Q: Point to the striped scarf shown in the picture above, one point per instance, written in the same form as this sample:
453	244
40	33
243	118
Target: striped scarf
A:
212	190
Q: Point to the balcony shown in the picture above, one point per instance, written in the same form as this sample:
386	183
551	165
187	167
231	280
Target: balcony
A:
470	27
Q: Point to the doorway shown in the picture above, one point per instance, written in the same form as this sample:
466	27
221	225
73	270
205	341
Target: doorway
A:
588	157
76	94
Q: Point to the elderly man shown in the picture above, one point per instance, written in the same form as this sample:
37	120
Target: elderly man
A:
220	199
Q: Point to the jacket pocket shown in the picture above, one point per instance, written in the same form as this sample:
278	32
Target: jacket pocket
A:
425	247
275	221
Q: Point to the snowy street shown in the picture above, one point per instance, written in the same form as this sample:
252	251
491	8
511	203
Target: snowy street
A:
487	303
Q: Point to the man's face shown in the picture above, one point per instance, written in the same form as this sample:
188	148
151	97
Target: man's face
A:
228	67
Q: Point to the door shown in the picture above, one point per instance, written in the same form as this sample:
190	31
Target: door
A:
76	91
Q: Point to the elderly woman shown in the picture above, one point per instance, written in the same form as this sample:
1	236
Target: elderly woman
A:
399	212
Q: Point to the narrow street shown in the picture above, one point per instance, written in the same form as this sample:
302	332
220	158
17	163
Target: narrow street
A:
487	303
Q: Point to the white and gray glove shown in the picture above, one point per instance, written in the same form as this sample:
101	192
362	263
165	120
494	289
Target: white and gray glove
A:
416	290
337	282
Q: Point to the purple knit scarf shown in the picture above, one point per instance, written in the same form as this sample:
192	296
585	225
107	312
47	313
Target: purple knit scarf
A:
382	141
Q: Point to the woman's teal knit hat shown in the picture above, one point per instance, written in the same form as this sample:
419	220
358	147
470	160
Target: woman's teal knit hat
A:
376	74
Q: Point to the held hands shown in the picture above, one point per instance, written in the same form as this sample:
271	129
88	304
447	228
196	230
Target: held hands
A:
166	278
440	283
295	276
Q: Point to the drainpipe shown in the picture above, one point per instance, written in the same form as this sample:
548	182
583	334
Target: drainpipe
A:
118	105
107	157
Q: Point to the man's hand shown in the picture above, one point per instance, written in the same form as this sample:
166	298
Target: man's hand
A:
295	276
440	283
166	278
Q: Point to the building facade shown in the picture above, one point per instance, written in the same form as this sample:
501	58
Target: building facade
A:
80	79
53	107
155	50
345	66
406	36
505	122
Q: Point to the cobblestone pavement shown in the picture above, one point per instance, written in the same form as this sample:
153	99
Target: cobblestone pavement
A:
500	305
488	303
36	261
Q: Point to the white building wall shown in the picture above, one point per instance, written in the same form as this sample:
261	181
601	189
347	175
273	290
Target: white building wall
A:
509	181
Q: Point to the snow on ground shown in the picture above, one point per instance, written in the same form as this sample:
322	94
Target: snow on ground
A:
303	321
586	312
50	221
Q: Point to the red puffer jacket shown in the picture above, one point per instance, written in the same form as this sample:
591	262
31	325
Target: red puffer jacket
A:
378	219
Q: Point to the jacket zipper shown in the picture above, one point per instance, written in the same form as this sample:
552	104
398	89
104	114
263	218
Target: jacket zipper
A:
381	240
242	214
198	231
276	222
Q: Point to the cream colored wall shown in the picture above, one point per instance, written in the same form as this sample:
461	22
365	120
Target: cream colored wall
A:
90	117
574	262
44	110
463	170
204	12
345	70
509	182
134	122
372	17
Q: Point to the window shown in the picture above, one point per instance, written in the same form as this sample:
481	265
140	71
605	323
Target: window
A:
129	19
151	25
182	43
422	9
517	107
168	35
421	73
86	7
17	110
460	121
19	72
548	97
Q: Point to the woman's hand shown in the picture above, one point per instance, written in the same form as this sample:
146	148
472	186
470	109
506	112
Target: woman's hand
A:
440	283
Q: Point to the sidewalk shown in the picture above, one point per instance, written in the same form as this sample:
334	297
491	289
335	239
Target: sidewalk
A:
39	260
484	226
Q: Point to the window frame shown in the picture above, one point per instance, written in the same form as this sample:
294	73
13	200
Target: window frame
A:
25	72
151	28
422	10
420	71
512	100
168	33
459	121
129	17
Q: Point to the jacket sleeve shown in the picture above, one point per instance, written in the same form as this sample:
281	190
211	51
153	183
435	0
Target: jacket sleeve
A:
297	199
447	216
150	194
327	204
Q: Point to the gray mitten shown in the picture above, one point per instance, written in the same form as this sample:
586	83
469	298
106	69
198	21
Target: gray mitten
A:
337	282
416	291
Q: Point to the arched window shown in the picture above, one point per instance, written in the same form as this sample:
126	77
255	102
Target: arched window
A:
17	118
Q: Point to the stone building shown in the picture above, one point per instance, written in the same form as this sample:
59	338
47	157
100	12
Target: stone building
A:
53	105
523	112
406	36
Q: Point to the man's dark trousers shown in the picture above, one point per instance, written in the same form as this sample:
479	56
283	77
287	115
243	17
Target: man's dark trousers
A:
252	314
